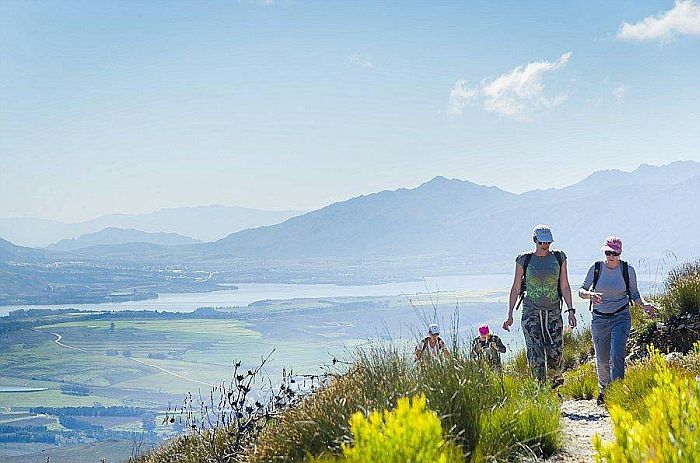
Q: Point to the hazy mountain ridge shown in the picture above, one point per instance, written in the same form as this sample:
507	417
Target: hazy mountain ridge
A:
204	223
113	235
651	207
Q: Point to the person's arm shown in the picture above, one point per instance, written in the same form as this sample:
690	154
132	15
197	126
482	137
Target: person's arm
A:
514	292
444	349
566	292
499	345
636	296
419	349
474	351
584	292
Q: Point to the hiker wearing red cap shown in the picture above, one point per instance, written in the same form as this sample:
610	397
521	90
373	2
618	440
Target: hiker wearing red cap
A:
611	286
488	347
541	282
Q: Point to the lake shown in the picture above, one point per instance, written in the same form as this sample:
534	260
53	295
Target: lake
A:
248	293
252	292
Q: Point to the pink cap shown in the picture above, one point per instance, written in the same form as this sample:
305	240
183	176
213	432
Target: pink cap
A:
612	243
484	330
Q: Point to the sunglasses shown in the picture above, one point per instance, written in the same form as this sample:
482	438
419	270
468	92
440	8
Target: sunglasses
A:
612	253
544	242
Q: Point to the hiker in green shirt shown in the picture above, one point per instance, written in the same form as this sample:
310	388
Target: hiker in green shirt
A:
541	282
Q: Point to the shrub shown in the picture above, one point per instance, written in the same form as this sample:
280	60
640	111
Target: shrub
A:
518	367
455	388
580	383
669	433
640	379
462	392
676	328
682	295
409	433
524	423
578	348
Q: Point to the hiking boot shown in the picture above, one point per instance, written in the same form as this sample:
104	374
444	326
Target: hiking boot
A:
556	382
600	401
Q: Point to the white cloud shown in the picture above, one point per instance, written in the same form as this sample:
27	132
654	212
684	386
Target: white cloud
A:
460	96
682	19
619	92
513	94
362	60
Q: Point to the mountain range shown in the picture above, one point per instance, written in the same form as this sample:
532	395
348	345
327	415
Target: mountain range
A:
113	235
654	209
204	223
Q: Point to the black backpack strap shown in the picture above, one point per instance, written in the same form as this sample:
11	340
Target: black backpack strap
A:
626	277
560	259
523	281
596	277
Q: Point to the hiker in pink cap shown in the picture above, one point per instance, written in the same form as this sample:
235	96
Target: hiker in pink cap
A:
488	347
611	286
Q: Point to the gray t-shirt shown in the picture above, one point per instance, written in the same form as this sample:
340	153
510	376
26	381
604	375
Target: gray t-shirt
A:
611	284
542	280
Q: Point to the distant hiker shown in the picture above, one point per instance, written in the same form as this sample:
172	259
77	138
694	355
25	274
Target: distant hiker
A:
488	347
541	282
431	346
611	286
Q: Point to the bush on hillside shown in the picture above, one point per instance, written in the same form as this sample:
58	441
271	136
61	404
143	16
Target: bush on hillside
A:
640	379
524	423
455	388
462	392
580	383
677	325
682	295
578	348
409	433
669	431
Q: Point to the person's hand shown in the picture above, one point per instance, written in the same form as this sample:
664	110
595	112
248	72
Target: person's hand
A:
508	322
493	346
597	298
650	309
572	319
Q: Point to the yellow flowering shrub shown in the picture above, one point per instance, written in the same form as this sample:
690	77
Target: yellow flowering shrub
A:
671	433
408	434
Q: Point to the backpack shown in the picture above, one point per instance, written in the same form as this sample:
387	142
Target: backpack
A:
625	276
523	283
440	344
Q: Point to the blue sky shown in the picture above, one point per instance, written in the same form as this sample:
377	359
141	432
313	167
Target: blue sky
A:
133	106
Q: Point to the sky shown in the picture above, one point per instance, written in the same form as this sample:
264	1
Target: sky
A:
132	106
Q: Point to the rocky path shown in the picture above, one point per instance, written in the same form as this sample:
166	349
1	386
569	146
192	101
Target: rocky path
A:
581	420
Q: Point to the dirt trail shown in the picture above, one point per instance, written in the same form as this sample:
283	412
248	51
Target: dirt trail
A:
581	420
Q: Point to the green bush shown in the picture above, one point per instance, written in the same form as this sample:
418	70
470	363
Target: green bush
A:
456	388
462	392
409	433
669	431
518	367
525	423
580	383
640	379
682	295
578	348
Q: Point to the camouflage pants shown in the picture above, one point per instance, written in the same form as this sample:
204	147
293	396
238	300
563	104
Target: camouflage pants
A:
544	339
